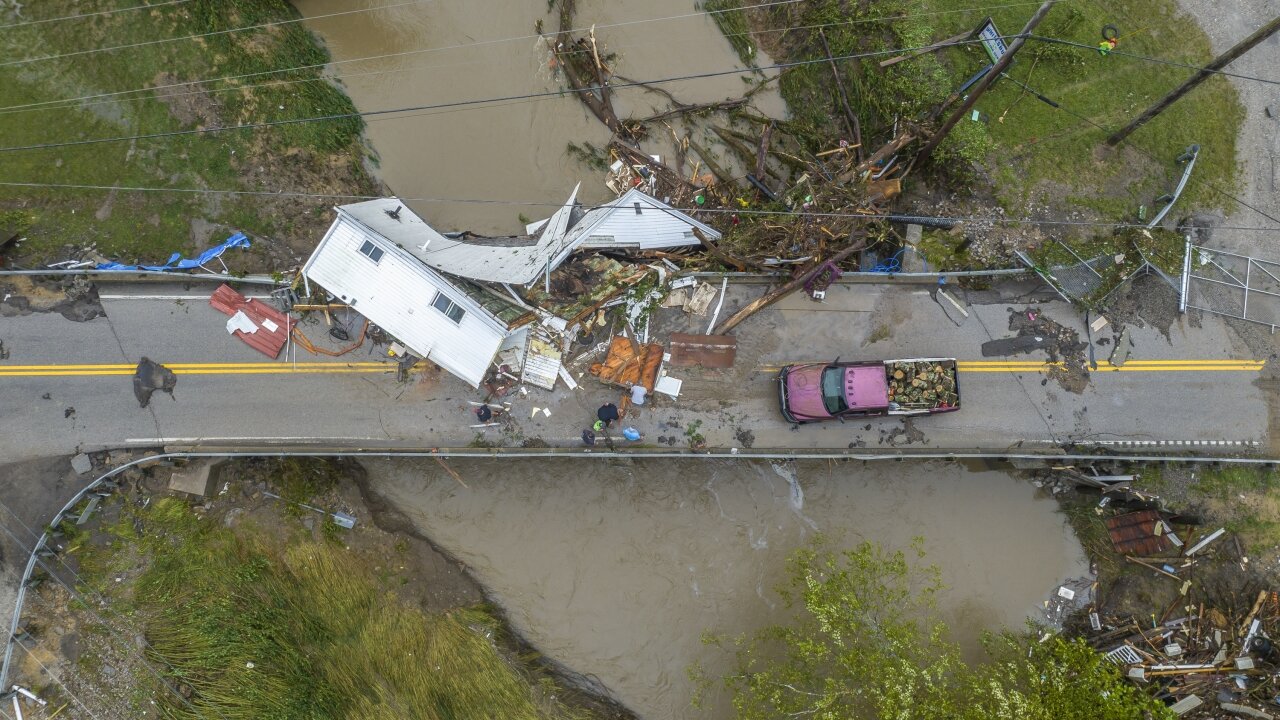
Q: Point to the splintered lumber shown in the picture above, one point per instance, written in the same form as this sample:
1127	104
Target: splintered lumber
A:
724	256
880	155
774	296
1257	605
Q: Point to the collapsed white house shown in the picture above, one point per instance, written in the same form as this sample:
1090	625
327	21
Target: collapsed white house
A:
433	292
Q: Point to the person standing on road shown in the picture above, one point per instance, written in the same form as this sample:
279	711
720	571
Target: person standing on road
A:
637	394
607	413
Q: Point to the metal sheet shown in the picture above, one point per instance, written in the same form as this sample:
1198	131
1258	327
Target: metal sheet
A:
1135	534
709	351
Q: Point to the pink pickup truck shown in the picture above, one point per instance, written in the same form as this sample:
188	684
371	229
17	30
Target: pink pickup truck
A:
825	391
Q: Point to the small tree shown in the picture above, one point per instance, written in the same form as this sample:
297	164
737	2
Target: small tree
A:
1057	679
863	642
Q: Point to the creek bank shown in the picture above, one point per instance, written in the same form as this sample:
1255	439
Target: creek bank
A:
618	567
403	609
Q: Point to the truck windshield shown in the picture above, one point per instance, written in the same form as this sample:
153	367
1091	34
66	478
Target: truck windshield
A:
833	390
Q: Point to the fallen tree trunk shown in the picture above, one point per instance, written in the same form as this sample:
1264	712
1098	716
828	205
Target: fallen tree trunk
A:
682	109
711	164
724	256
850	118
566	48
858	240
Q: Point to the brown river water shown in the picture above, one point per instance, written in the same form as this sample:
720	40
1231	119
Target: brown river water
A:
616	569
512	151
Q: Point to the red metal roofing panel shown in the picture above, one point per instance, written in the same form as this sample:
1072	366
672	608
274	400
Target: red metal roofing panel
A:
264	340
1135	533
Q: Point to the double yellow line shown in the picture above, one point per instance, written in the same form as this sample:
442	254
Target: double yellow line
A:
999	366
258	368
976	366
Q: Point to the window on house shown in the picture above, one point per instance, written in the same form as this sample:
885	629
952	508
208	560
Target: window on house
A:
373	252
448	307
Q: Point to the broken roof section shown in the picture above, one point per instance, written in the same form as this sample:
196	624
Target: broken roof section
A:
516	260
634	221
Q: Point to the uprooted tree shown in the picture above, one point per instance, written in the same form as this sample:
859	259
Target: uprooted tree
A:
864	641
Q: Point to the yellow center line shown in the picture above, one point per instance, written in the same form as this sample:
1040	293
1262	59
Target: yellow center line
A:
992	366
243	368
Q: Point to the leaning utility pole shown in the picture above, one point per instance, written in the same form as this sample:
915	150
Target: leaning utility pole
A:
985	82
1220	62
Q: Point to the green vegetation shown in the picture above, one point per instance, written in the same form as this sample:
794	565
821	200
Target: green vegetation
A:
1032	150
306	157
251	626
1242	496
865	642
1040	149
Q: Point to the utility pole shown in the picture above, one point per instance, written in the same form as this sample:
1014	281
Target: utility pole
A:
985	82
1220	62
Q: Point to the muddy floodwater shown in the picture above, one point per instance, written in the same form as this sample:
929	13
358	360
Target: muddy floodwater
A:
615	569
513	151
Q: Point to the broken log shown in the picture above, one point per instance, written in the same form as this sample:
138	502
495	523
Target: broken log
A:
857	242
880	155
736	145
725	257
762	151
682	109
715	168
566	49
851	120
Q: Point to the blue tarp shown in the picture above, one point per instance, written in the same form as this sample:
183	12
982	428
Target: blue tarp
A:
177	263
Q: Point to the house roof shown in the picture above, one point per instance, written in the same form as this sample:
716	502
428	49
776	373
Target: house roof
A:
597	216
517	260
520	260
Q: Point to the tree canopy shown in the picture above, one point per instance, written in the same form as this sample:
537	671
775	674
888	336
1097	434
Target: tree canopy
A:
861	639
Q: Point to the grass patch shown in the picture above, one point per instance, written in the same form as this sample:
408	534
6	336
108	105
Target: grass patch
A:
256	628
733	23
1242	496
1041	149
1036	153
308	157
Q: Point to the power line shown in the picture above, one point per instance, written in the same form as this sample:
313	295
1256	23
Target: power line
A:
28	23
895	217
460	103
1153	156
1161	61
887	18
162	41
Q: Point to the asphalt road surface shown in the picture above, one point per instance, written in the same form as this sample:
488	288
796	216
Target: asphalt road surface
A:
66	385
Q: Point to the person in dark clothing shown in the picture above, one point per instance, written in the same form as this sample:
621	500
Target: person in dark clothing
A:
484	413
607	413
588	438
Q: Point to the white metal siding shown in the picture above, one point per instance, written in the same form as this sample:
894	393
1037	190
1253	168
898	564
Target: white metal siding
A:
657	226
396	295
